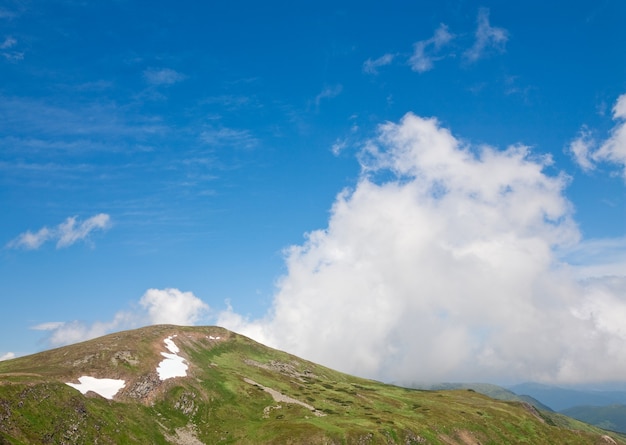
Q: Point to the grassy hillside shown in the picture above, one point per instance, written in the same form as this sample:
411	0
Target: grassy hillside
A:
493	391
239	392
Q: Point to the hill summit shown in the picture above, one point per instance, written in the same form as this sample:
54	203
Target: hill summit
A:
206	385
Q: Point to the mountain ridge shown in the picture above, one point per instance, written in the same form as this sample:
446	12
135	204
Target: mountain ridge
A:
610	417
235	390
488	389
559	398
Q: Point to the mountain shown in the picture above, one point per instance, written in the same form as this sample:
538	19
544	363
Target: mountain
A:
563	398
206	385
612	417
493	391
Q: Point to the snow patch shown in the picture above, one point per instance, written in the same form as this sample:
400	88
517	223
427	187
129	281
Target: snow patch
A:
107	388
171	346
173	365
213	338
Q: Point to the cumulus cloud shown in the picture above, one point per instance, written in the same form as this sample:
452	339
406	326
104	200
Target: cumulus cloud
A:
171	306
162	76
371	66
588	153
440	265
7	356
488	39
67	233
156	306
426	52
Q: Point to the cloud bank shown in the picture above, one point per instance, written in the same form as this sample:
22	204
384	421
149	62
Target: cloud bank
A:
67	233
440	265
156	306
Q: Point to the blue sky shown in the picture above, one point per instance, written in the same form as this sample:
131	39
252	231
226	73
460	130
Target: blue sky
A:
270	167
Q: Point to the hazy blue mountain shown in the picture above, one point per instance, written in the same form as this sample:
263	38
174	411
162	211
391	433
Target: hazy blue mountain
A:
560	399
612	417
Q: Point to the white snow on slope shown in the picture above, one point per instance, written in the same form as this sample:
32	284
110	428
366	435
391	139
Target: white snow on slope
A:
107	388
173	365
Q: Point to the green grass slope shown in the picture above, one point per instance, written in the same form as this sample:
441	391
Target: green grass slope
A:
240	392
493	391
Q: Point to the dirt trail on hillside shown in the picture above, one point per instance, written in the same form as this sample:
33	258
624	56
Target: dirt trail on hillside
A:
279	397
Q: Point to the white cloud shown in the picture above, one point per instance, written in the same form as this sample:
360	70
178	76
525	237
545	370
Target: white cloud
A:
614	148
619	109
69	232
156	306
29	240
7	356
65	333
371	66
581	148
7	52
8	43
171	306
426	52
328	93
488	38
66	233
229	137
441	265
48	326
339	146
587	152
13	56
162	76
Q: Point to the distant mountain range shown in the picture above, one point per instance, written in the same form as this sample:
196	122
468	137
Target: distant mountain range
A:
560	399
206	385
603	408
612	417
